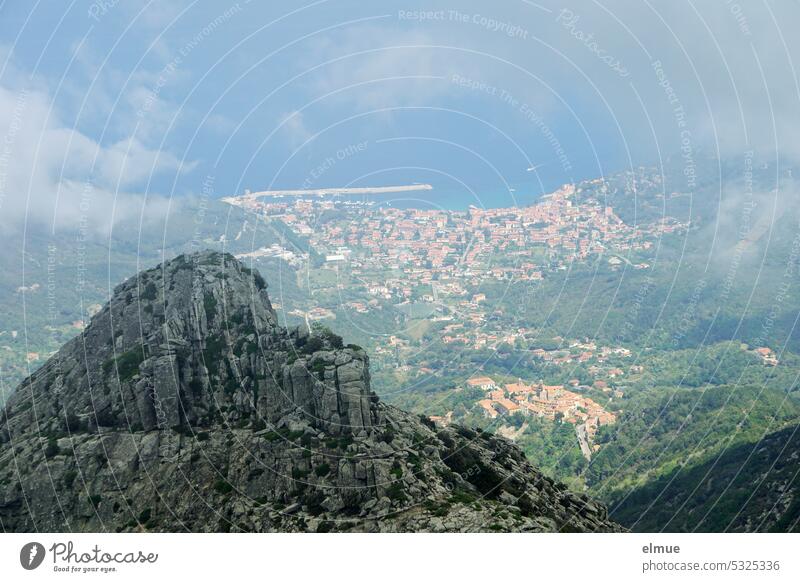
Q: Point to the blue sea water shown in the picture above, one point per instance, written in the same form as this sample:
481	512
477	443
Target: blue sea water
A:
453	199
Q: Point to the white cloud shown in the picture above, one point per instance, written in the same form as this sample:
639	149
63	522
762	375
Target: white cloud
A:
294	128
713	53
53	174
374	53
386	65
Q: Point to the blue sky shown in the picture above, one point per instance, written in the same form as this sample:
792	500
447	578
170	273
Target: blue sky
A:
144	101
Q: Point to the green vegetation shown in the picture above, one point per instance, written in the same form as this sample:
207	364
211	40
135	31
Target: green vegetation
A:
51	450
396	491
662	430
126	364
462	497
319	369
258	280
298	473
69	478
149	293
209	305
214	354
723	492
222	486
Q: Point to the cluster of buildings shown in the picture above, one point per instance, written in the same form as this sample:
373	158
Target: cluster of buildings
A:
543	401
481	337
581	352
768	357
276	251
441	252
314	314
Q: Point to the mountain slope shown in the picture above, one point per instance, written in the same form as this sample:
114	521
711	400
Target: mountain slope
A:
185	407
749	487
662	429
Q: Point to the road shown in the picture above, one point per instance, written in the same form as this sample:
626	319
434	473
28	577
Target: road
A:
583	441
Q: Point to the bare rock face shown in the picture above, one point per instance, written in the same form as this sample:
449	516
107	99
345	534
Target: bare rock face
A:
184	406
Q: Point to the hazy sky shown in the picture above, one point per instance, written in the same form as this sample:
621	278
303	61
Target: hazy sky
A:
104	102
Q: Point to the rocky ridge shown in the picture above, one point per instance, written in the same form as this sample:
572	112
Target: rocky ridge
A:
184	406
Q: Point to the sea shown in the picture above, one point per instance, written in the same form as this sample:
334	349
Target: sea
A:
452	199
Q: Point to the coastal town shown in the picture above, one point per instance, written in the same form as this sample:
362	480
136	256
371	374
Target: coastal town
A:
433	265
425	254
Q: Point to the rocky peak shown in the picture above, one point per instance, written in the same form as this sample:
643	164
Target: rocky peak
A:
194	343
185	406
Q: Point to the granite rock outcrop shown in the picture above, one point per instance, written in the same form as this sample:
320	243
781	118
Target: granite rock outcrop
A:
185	406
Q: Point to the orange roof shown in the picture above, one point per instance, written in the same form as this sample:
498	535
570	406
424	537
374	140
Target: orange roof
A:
480	381
508	404
487	406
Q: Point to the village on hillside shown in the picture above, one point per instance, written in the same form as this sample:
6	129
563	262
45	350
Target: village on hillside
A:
554	403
